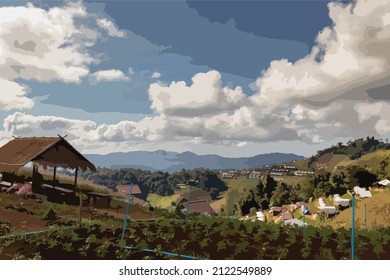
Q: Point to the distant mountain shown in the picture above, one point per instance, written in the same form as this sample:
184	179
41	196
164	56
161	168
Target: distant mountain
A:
172	161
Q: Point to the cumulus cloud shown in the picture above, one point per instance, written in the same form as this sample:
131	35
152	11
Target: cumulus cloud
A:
323	96
339	90
13	96
44	45
347	62
85	134
111	28
112	75
206	96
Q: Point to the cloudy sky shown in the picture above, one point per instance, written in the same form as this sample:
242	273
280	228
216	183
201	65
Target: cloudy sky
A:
235	78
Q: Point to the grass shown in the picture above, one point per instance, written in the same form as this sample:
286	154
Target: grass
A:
377	211
370	160
241	183
218	204
164	202
335	160
295	180
300	164
82	184
186	189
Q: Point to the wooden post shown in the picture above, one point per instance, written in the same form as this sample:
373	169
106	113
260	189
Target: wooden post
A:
80	196
75	177
80	208
54	176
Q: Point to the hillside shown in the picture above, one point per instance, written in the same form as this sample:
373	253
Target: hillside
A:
332	162
377	212
172	162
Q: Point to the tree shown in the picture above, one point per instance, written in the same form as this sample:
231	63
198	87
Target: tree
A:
281	195
340	183
208	179
296	193
265	190
360	176
250	201
319	184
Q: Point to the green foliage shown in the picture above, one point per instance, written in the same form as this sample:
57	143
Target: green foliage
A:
268	193
161	183
281	195
360	176
214	238
354	149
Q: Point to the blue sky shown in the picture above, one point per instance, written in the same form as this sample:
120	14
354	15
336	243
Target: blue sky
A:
236	78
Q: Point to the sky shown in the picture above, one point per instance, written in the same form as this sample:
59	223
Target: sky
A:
233	78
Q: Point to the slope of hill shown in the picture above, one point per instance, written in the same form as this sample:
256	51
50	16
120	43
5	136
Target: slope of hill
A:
377	212
171	161
372	161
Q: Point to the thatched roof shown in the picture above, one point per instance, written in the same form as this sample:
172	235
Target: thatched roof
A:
48	151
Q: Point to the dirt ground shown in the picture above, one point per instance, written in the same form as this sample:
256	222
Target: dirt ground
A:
21	221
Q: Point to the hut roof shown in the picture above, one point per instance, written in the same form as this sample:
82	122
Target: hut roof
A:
125	189
198	206
48	151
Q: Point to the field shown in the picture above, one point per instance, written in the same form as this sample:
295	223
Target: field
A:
25	215
240	183
200	237
163	202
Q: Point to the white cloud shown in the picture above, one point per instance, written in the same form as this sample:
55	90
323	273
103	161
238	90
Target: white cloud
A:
44	45
350	55
313	99
85	134
156	75
13	96
324	87
334	92
111	28
112	75
242	144
205	96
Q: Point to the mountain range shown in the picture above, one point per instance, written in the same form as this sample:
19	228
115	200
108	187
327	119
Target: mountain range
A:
173	161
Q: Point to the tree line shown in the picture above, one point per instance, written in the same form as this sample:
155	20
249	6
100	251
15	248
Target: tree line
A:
158	182
353	148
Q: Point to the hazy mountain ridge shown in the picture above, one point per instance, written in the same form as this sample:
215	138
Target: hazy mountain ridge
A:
172	161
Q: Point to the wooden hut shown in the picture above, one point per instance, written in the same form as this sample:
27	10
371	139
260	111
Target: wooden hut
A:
47	152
